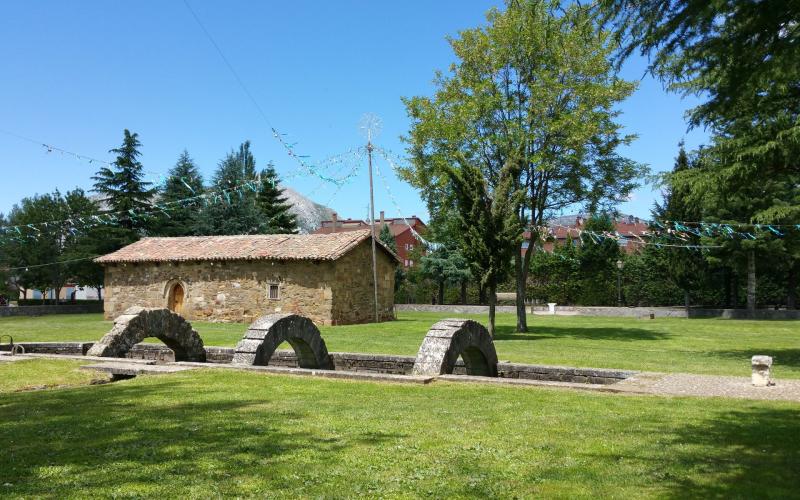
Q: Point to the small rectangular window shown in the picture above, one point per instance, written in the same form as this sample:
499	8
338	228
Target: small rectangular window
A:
274	291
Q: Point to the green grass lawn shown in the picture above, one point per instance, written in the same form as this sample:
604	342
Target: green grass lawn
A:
44	374
227	433
708	346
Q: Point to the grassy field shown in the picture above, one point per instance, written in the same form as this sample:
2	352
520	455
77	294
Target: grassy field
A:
44	374
708	346
225	433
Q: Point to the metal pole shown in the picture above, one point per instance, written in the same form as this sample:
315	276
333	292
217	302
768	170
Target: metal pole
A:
372	220
619	287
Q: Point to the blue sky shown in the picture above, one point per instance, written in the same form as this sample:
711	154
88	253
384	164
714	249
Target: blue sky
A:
75	74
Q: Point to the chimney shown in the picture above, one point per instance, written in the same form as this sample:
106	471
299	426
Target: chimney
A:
335	221
383	219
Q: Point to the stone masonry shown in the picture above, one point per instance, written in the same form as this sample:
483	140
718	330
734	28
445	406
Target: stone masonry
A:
450	338
326	291
270	331
139	323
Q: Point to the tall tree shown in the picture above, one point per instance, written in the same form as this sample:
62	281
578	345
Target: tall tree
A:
445	267
84	242
277	216
685	267
740	58
124	190
232	207
54	237
491	230
387	238
598	256
183	183
536	87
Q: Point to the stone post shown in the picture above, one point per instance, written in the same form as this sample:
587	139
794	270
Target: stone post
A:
761	371
551	307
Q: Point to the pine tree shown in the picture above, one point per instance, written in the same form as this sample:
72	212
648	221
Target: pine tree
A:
184	182
684	266
598	256
125	191
385	236
231	207
277	217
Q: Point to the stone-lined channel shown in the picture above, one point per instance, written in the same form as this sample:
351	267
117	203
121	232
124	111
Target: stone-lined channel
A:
346	361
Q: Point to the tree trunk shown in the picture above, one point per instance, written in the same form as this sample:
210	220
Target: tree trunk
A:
751	281
727	284
100	293
522	263
481	294
463	292
686	300
492	303
520	278
441	292
791	287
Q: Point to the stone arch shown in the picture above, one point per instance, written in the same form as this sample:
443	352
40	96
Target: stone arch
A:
450	338
266	333
138	323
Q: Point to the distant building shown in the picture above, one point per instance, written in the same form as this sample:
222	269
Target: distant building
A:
239	278
566	230
69	292
403	235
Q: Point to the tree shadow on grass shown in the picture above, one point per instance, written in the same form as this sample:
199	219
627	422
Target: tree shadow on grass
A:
126	436
780	357
506	332
753	452
749	453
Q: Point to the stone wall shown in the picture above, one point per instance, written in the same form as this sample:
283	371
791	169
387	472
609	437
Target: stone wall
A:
631	312
223	290
769	314
350	361
93	307
338	292
67	348
352	288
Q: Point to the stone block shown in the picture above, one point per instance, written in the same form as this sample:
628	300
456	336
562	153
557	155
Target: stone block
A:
762	368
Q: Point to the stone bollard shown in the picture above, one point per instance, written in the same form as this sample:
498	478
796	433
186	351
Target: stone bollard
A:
761	371
551	307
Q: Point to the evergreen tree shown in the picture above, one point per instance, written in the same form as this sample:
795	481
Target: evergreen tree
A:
125	191
487	217
277	217
598	257
685	267
444	267
740	58
387	238
184	182
232	206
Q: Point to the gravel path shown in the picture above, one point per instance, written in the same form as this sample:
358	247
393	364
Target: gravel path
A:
685	384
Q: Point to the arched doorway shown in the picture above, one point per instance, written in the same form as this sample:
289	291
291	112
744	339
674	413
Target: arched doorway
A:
175	298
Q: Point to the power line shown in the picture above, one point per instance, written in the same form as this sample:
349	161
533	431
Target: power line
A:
50	148
48	264
300	159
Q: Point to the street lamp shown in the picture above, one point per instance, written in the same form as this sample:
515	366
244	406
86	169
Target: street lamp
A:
620	264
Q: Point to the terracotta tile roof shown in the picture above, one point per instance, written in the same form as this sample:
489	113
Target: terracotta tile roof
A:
244	247
396	226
